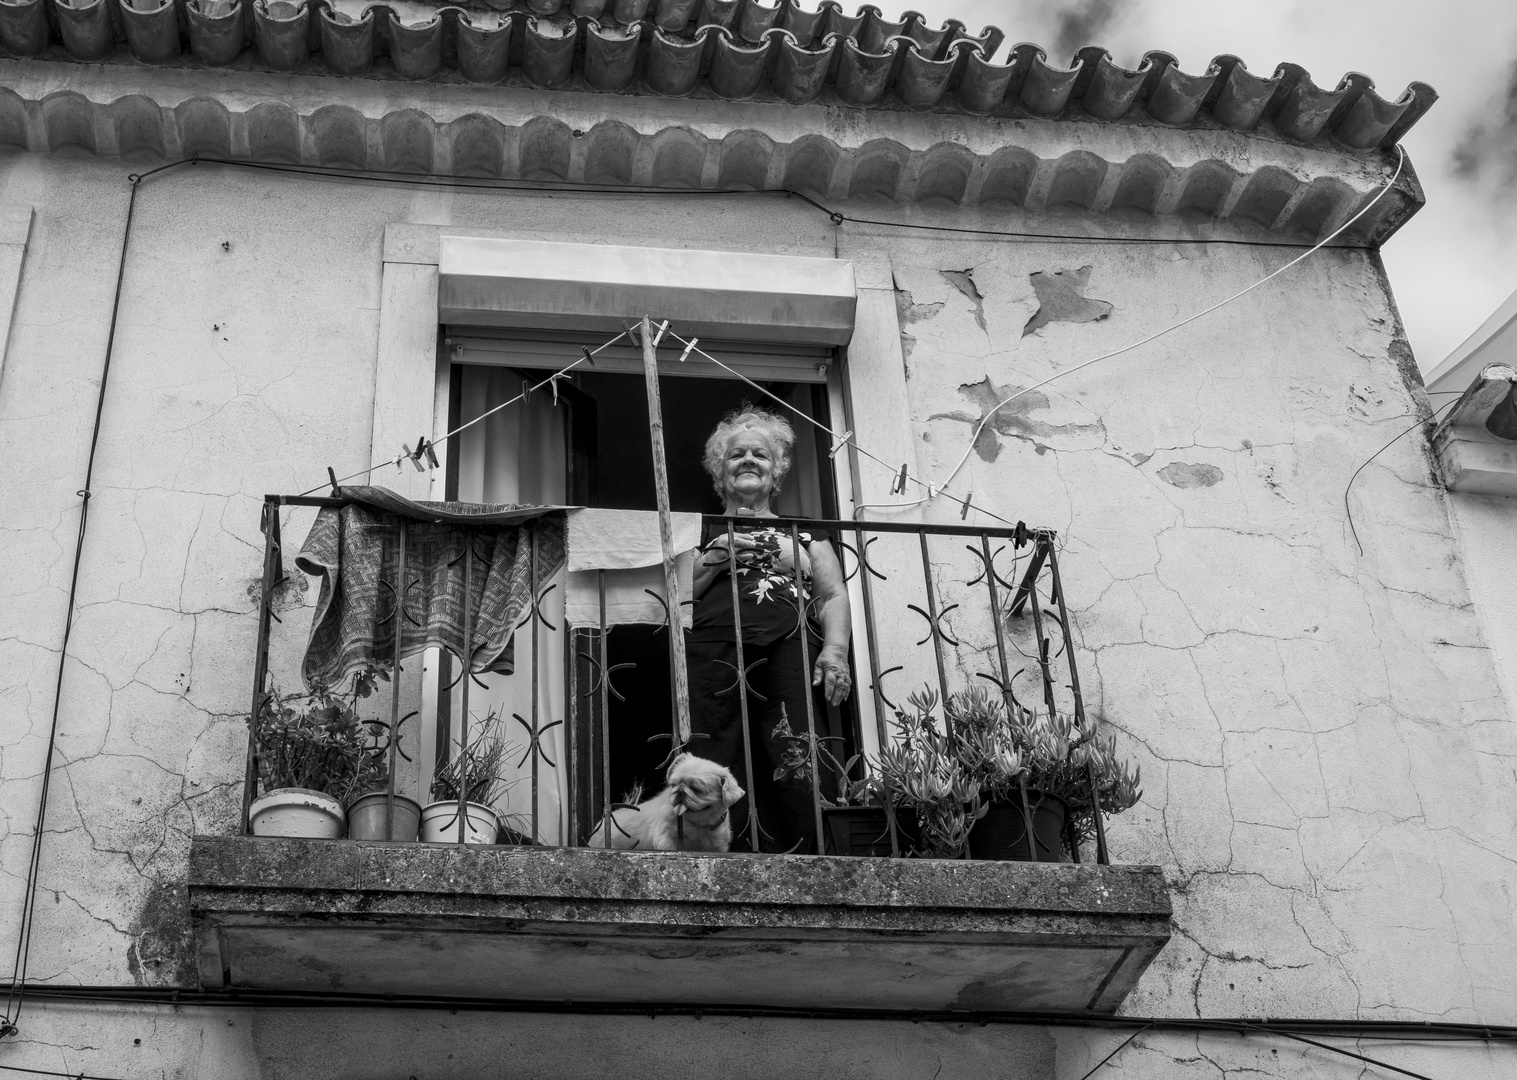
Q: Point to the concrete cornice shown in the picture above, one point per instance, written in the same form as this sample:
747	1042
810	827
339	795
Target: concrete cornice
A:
835	153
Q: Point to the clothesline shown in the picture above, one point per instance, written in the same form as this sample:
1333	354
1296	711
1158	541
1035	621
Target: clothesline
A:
424	458
424	445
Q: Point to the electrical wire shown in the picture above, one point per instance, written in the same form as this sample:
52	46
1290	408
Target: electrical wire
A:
571	187
1405	1031
1400	164
51	1072
1347	509
933	490
1120	1047
838	440
1357	1057
1299	1030
16	994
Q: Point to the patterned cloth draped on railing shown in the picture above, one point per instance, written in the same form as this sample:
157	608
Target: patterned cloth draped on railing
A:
353	550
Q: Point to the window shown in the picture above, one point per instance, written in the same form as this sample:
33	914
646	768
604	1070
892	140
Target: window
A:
588	445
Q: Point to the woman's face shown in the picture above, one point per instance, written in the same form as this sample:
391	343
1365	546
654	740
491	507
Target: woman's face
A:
748	465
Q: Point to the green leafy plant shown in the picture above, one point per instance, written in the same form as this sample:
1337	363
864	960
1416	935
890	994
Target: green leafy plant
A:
317	740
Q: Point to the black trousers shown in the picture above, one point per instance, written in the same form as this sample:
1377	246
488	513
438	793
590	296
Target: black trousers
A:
786	814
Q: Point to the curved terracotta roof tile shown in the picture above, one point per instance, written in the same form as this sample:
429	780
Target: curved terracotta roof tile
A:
767	49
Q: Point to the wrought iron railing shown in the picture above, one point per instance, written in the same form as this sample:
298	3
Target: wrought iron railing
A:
943	605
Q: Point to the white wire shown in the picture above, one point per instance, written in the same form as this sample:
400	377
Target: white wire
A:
489	412
939	489
1400	163
936	489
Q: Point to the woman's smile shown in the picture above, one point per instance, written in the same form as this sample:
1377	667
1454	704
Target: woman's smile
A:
748	465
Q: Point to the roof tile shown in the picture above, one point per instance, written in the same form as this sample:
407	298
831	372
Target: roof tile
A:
770	49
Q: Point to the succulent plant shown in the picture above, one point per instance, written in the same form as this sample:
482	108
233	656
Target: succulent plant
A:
981	751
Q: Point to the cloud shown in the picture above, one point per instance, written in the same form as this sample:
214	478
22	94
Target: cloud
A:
1487	149
1081	23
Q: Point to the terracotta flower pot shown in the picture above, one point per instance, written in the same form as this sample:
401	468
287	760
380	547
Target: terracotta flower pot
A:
440	824
366	818
297	812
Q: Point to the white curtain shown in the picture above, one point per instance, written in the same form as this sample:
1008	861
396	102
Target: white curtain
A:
518	455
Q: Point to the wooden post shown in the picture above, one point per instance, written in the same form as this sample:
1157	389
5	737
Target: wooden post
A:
666	538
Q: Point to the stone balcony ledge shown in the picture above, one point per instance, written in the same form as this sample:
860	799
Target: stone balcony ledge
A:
592	926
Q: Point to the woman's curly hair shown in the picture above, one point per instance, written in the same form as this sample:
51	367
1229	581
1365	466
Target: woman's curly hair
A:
772	426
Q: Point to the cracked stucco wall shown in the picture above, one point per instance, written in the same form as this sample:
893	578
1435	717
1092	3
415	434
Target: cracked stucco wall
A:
1328	760
1329	770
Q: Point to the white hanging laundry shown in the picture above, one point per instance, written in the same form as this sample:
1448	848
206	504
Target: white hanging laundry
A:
625	544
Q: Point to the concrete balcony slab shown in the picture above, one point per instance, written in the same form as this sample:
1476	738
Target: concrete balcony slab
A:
621	928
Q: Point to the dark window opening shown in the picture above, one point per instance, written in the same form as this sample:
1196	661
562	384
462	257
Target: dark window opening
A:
608	462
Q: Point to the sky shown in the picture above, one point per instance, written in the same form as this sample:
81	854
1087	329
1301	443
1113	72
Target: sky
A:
1456	260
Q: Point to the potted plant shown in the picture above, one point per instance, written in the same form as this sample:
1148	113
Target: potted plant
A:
375	803
1063	758
966	778
313	757
472	775
856	815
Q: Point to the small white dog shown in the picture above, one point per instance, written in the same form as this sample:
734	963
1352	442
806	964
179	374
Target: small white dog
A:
690	814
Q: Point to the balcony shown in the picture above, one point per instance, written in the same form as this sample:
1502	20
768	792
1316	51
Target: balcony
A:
617	928
550	917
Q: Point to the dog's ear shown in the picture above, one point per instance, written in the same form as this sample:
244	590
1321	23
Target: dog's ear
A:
731	793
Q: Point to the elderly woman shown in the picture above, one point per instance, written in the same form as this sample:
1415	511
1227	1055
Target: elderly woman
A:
747	456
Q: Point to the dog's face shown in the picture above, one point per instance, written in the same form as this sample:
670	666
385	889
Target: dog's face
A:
700	784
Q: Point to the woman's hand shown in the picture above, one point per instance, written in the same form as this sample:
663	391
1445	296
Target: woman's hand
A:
831	674
715	554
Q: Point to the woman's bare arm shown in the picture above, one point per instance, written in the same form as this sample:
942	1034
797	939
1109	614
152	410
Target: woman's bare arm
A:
831	672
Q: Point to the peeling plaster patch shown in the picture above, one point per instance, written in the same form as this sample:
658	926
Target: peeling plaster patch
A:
963	280
912	312
1013	420
908	311
1182	475
1061	298
1134	459
288	594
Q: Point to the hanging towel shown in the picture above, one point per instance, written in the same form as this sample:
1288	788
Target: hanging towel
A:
625	544
353	549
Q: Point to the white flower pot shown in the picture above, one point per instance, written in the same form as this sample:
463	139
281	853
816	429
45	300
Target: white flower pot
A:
297	812
440	824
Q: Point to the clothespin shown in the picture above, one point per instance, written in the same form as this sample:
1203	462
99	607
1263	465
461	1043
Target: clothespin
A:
898	486
423	450
526	390
964	513
1019	537
660	335
589	357
840	441
332	477
932	493
689	348
631	329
